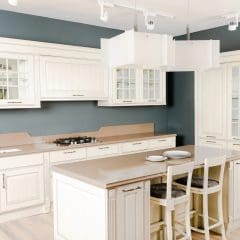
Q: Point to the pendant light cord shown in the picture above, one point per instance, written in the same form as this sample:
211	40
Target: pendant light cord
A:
135	17
188	19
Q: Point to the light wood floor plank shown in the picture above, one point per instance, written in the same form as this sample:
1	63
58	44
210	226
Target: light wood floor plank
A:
41	228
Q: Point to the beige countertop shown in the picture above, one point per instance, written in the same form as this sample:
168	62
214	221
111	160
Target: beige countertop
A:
48	147
116	171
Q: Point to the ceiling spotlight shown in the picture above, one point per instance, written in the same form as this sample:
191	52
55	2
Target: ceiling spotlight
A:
232	20
13	2
104	12
149	21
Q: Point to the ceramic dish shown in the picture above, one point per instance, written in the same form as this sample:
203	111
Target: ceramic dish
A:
156	158
177	154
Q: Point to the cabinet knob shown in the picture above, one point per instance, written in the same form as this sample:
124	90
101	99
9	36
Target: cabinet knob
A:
131	189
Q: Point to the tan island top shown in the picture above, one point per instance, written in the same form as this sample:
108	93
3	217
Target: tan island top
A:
120	170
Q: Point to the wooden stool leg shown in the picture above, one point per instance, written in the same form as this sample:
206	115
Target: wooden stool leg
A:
205	217
220	214
187	221
196	208
168	217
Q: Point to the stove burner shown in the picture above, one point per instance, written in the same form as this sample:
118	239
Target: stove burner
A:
75	140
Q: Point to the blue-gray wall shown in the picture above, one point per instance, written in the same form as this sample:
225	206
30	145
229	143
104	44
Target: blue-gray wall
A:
60	117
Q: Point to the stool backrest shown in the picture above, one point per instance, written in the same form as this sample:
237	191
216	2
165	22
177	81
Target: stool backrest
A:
214	162
186	168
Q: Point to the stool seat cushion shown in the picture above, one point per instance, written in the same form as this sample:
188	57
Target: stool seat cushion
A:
160	191
197	182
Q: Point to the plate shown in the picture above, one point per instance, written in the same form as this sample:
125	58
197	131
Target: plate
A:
177	154
156	158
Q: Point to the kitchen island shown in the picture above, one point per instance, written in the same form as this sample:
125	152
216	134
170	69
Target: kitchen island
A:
109	199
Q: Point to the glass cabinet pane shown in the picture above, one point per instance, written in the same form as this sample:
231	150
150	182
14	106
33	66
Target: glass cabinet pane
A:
151	84
126	83
235	75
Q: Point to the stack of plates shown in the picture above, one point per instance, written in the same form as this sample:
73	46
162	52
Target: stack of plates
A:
156	158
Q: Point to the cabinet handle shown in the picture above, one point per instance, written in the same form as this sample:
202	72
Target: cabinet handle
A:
102	148
211	136
138	143
236	144
238	163
131	189
235	138
12	102
78	95
152	100
127	101
4	181
211	142
162	140
70	152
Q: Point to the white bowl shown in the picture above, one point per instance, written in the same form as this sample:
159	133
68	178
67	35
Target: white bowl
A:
176	154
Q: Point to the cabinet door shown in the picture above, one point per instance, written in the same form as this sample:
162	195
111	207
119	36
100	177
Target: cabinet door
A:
66	78
132	213
17	81
234	101
153	86
236	190
213	143
211	104
22	188
125	85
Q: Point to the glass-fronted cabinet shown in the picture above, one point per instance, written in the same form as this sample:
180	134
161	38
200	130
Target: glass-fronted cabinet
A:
152	84
125	85
17	81
234	75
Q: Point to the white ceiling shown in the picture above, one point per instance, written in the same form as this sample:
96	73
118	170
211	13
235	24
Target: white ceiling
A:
204	14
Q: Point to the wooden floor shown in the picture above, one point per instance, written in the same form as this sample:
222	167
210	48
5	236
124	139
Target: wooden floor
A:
41	228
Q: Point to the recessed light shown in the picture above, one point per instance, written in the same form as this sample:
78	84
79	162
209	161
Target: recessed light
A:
13	2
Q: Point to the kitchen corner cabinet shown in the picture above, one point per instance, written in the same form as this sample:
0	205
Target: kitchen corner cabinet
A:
18	81
136	86
65	78
211	98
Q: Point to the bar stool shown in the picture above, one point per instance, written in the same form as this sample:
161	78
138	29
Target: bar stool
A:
202	185
169	196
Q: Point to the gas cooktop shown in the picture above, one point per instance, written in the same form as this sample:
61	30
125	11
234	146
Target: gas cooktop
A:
75	140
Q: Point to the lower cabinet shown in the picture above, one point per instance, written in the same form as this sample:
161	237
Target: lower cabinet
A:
129	211
212	143
22	188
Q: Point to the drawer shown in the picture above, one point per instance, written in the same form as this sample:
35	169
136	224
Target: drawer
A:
234	146
21	161
134	146
213	143
104	150
162	143
70	154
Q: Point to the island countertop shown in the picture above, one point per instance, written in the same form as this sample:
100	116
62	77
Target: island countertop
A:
120	170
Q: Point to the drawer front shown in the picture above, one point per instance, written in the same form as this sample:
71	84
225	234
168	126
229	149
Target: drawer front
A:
70	154
162	143
235	146
134	146
21	161
213	143
104	150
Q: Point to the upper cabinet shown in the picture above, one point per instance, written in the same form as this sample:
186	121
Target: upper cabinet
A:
18	81
65	78
146	50
136	86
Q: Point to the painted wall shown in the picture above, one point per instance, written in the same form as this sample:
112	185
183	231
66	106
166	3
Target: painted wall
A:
60	117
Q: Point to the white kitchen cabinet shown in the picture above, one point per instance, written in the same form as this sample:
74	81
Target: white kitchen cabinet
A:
72	79
213	143
102	151
211	103
131	86
18	81
133	147
22	188
130	214
162	143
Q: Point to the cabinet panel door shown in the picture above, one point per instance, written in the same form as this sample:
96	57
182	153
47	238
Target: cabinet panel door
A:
236	190
211	103
131	219
22	188
63	78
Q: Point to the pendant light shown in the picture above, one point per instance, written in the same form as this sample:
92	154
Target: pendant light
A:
13	2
